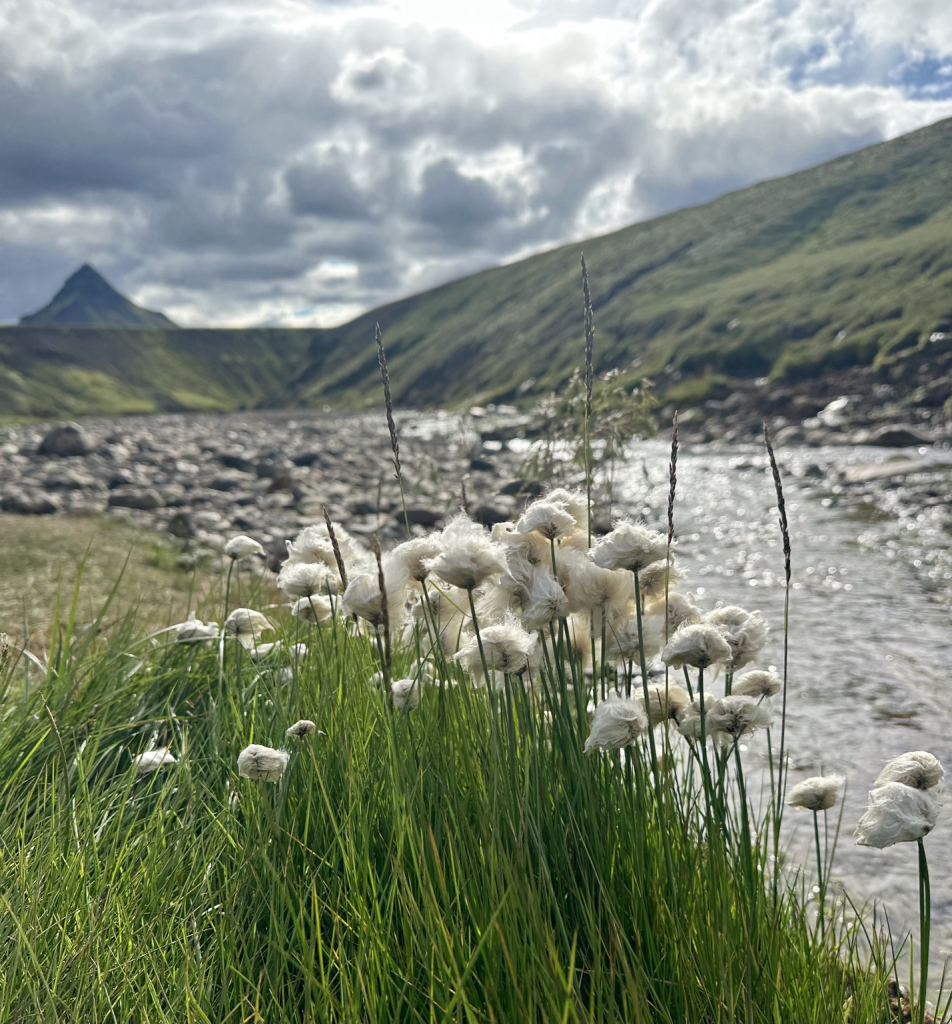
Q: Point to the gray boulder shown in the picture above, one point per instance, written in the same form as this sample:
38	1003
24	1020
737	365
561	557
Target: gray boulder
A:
65	440
145	500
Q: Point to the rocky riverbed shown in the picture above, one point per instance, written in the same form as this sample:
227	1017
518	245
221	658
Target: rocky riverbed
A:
203	478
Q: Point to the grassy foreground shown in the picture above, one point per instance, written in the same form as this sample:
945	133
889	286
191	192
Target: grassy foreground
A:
463	861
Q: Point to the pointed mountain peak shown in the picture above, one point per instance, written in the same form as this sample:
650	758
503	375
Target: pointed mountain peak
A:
87	299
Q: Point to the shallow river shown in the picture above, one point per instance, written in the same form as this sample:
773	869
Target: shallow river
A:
870	636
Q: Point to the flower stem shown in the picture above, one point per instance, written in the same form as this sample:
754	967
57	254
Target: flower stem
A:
925	918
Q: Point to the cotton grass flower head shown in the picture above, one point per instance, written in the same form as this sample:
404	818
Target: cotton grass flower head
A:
590	588
364	599
531	547
550	518
301	729
625	640
576	504
616	723
698	645
818	793
729	718
630	547
680	610
653	579
152	760
193	630
916	768
508	648
246	624
243	546
305	579
745	632
313	609
469	556
406	693
757	683
546	601
263	763
415	553
665	703
896	814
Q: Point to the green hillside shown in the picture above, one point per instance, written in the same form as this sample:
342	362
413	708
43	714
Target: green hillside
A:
76	371
846	263
87	299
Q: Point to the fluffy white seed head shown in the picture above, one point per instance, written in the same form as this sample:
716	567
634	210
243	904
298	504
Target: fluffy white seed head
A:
152	760
576	504
441	616
630	547
916	768
546	601
406	693
243	546
681	611
547	517
305	579
729	718
313	609
246	624
193	630
745	632
313	544
757	683
666	702
653	579
624	640
818	793
590	588
896	814
414	554
469	556
508	648
363	597
698	645
264	763
531	547
616	723
302	728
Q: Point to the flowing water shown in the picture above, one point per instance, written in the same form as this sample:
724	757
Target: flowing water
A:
870	659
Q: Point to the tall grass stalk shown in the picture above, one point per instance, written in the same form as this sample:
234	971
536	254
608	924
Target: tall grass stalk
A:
391	426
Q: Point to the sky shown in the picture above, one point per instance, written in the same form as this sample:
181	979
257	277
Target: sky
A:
294	163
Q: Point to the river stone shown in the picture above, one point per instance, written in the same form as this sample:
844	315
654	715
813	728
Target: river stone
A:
899	436
147	499
28	503
236	460
419	516
66	480
488	514
181	526
527	487
65	440
307	458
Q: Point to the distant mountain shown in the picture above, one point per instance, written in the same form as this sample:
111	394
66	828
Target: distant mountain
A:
87	299
848	264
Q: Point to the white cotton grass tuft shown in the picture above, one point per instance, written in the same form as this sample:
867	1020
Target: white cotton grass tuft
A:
246	624
576	504
916	768
625	641
300	729
306	579
698	645
653	579
896	814
243	546
508	648
745	632
193	630
414	554
469	555
818	793
406	693
617	722
151	760
665	703
262	763
550	518
630	547
364	599
680	609
729	718
758	683
313	609
546	601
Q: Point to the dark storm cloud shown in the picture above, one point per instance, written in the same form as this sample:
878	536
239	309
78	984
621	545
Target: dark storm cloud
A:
268	161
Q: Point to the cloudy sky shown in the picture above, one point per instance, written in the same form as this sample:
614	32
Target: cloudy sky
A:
285	162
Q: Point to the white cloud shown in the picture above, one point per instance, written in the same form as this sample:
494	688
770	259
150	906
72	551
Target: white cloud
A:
295	162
